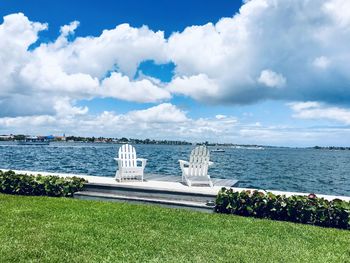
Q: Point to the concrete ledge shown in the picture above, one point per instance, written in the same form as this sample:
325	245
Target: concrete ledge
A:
175	187
146	189
87	195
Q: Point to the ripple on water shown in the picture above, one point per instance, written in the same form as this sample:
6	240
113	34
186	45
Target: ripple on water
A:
308	170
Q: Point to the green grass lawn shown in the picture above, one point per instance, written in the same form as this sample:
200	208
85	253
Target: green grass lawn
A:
43	229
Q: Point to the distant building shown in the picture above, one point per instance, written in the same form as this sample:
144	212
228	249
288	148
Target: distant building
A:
6	137
61	138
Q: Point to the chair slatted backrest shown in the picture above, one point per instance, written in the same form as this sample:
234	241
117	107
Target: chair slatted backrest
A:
127	154
199	161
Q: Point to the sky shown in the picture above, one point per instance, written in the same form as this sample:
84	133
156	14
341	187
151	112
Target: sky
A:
270	72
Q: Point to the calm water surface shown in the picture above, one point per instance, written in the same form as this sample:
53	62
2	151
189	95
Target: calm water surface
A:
304	170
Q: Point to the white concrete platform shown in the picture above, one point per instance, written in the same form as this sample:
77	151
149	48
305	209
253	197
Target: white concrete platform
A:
159	182
169	185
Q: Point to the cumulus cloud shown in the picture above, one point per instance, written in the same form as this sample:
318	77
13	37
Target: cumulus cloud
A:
64	108
301	46
319	111
26	121
220	116
271	49
290	136
121	87
34	81
199	87
165	112
163	121
69	29
338	10
166	121
321	62
268	44
16	34
271	79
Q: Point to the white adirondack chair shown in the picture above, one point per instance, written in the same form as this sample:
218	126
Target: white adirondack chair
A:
196	170
128	167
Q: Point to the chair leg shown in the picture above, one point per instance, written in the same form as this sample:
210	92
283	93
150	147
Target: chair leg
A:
117	175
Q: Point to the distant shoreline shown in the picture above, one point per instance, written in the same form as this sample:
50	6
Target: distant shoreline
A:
332	148
123	140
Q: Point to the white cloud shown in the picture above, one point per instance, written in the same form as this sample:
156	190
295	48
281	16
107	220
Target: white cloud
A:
16	34
271	79
121	87
339	11
239	59
318	111
302	46
199	87
321	62
27	121
64	108
273	42
289	136
165	112
123	47
69	29
220	116
299	106
67	71
164	121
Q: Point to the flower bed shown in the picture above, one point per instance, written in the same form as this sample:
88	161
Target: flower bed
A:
301	209
24	184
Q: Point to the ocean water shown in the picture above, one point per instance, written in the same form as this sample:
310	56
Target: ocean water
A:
302	170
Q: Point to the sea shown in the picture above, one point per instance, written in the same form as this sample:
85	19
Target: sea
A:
289	169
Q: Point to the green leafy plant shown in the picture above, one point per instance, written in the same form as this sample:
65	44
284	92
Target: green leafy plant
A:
301	209
24	184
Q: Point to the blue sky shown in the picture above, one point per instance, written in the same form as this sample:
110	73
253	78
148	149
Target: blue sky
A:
95	16
262	71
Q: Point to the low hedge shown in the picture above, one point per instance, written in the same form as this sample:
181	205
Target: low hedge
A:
301	209
24	184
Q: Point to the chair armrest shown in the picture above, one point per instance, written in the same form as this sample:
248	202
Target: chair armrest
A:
142	160
119	161
183	164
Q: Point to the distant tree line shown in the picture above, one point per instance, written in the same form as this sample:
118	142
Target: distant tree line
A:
337	148
20	137
124	140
